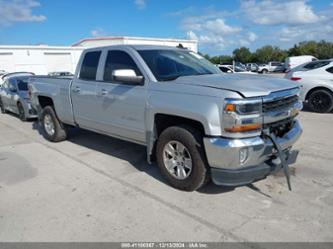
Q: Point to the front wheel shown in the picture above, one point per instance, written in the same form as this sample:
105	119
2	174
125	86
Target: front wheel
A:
321	101
181	158
264	71
53	129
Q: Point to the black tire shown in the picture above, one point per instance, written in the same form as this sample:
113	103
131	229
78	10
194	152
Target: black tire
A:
21	112
320	101
60	132
264	71
2	108
193	141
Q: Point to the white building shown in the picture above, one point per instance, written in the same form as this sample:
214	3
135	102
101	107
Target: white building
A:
43	59
38	59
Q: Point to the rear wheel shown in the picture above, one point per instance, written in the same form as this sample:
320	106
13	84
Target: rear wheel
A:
264	71
54	130
181	158
21	112
320	101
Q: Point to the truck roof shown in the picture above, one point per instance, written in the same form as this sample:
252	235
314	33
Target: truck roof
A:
137	47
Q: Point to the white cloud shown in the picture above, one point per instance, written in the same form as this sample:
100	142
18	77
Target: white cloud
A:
270	12
211	30
244	42
191	35
282	23
97	32
252	37
218	26
140	4
13	11
321	30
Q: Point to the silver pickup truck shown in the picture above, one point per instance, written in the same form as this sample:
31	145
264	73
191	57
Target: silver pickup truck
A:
197	123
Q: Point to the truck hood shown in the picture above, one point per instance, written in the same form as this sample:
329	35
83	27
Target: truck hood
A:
245	84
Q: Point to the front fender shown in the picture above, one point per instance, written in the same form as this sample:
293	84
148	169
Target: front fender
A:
203	109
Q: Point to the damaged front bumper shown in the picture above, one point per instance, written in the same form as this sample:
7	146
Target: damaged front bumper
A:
237	162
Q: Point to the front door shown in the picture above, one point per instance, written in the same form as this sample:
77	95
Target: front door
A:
121	106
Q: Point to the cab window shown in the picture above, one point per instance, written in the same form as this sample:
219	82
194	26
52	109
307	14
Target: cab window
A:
89	65
117	59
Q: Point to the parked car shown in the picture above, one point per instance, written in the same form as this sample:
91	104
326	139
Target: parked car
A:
61	74
198	123
14	96
316	78
271	67
252	67
294	61
228	69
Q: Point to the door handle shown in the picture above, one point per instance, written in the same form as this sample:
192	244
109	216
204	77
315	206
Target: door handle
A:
104	92
76	89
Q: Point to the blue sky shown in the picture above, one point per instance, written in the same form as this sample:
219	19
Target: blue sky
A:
220	26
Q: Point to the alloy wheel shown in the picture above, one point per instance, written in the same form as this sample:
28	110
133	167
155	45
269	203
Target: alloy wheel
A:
49	125
177	160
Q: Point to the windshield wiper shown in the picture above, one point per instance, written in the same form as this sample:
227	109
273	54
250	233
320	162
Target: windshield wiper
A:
170	78
174	77
203	73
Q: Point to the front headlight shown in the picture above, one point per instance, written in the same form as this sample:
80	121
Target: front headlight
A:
241	116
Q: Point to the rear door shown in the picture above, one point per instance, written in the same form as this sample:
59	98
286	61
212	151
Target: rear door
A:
83	91
121	107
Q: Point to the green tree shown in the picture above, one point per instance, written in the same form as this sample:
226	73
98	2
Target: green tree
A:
226	59
321	50
308	48
269	53
242	54
324	50
215	59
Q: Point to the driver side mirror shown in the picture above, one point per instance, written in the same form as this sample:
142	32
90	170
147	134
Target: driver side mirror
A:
127	76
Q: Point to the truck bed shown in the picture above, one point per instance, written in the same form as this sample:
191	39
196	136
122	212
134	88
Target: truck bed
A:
57	88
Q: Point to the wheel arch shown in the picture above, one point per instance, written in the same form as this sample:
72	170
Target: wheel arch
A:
315	89
45	101
163	121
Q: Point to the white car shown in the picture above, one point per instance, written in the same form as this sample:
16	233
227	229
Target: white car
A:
316	78
272	66
294	61
228	69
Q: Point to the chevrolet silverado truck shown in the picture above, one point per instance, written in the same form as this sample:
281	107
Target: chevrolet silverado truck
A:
197	123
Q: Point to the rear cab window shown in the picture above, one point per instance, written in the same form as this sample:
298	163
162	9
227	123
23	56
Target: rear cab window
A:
90	65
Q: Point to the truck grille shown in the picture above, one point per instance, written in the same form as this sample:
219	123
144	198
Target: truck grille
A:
275	105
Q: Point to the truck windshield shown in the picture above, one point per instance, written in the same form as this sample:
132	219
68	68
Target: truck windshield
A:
168	65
